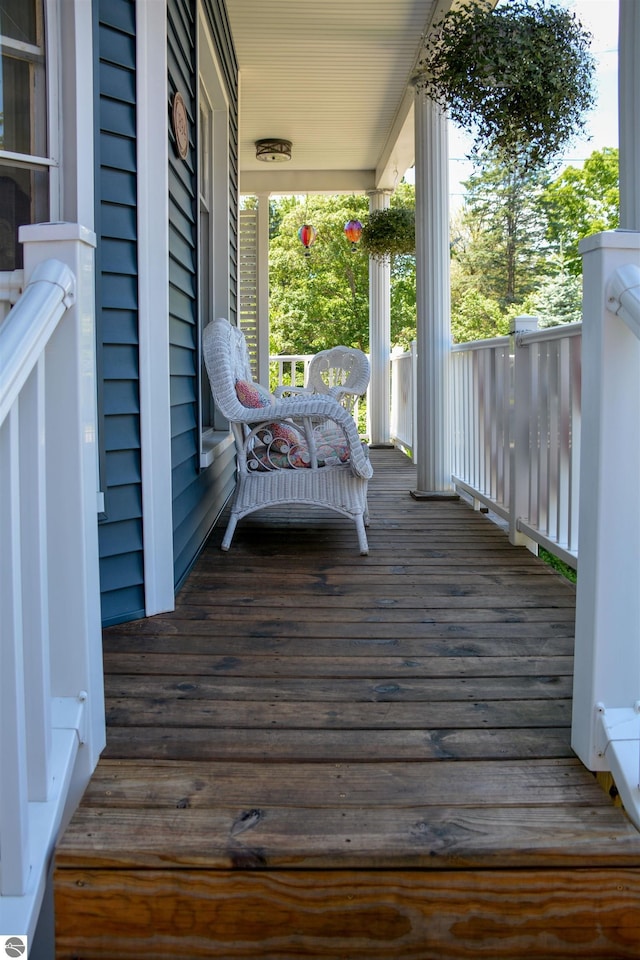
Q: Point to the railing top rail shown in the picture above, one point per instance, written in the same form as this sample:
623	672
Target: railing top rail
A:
274	357
480	344
26	330
560	332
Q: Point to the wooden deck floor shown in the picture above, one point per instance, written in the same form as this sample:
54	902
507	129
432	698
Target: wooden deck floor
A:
325	755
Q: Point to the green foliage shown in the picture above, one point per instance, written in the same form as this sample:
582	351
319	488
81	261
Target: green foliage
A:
519	78
581	202
321	300
558	565
390	232
558	300
515	242
499	244
477	317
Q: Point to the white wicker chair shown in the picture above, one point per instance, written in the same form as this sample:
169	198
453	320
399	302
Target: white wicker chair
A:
282	450
340	372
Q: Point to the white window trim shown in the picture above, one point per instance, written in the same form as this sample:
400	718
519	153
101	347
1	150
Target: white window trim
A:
219	298
153	304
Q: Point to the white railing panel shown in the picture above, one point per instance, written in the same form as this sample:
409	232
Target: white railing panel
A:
51	728
546	508
290	369
402	400
481	374
14	864
33	537
516	432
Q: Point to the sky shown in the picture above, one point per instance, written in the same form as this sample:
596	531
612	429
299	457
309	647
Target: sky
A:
600	18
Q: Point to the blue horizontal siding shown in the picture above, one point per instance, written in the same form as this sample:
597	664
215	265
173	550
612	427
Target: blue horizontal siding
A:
120	533
198	495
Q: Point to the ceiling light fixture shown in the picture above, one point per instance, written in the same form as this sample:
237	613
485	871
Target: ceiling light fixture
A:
273	150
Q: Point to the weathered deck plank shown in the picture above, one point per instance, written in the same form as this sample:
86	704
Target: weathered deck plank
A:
322	754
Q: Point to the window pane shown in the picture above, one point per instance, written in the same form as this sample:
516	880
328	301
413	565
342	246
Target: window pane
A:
15	128
23	95
24	198
18	20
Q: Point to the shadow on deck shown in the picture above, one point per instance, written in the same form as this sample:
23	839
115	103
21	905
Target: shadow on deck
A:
325	755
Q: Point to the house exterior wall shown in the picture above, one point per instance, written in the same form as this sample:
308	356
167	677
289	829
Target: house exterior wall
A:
198	493
120	529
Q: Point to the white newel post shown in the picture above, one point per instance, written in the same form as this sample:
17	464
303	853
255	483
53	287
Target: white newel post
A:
72	485
433	433
629	113
380	337
606	695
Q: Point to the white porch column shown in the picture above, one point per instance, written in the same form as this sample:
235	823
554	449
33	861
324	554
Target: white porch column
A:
433	337
263	288
380	337
629	113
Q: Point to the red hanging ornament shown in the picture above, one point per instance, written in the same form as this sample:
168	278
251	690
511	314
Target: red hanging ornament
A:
307	236
353	232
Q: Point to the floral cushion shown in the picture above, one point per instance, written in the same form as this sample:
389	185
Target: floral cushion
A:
284	447
253	395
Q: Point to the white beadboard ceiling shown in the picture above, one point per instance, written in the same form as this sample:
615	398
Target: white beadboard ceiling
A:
334	78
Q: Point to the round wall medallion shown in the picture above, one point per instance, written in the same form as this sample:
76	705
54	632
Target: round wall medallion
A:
180	122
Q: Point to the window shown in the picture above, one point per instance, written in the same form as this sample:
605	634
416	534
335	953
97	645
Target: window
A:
213	220
24	163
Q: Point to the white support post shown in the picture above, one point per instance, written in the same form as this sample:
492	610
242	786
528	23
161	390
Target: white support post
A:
263	288
379	411
629	113
433	435
153	306
607	650
72	484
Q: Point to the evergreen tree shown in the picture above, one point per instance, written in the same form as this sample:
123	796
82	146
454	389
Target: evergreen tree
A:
502	256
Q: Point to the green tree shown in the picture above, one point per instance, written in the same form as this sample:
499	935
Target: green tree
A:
503	250
558	300
582	201
320	300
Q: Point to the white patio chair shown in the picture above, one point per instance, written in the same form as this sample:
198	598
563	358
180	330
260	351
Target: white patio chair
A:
301	449
340	372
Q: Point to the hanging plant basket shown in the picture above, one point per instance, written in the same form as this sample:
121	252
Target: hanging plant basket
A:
390	232
519	78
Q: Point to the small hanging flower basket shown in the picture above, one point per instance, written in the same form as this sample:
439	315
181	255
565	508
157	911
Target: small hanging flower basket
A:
390	232
519	77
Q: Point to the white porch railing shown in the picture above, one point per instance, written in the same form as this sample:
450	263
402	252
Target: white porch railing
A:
403	400
516	432
51	704
292	369
515	429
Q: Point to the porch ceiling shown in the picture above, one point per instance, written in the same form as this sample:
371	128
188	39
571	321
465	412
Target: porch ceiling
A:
334	78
